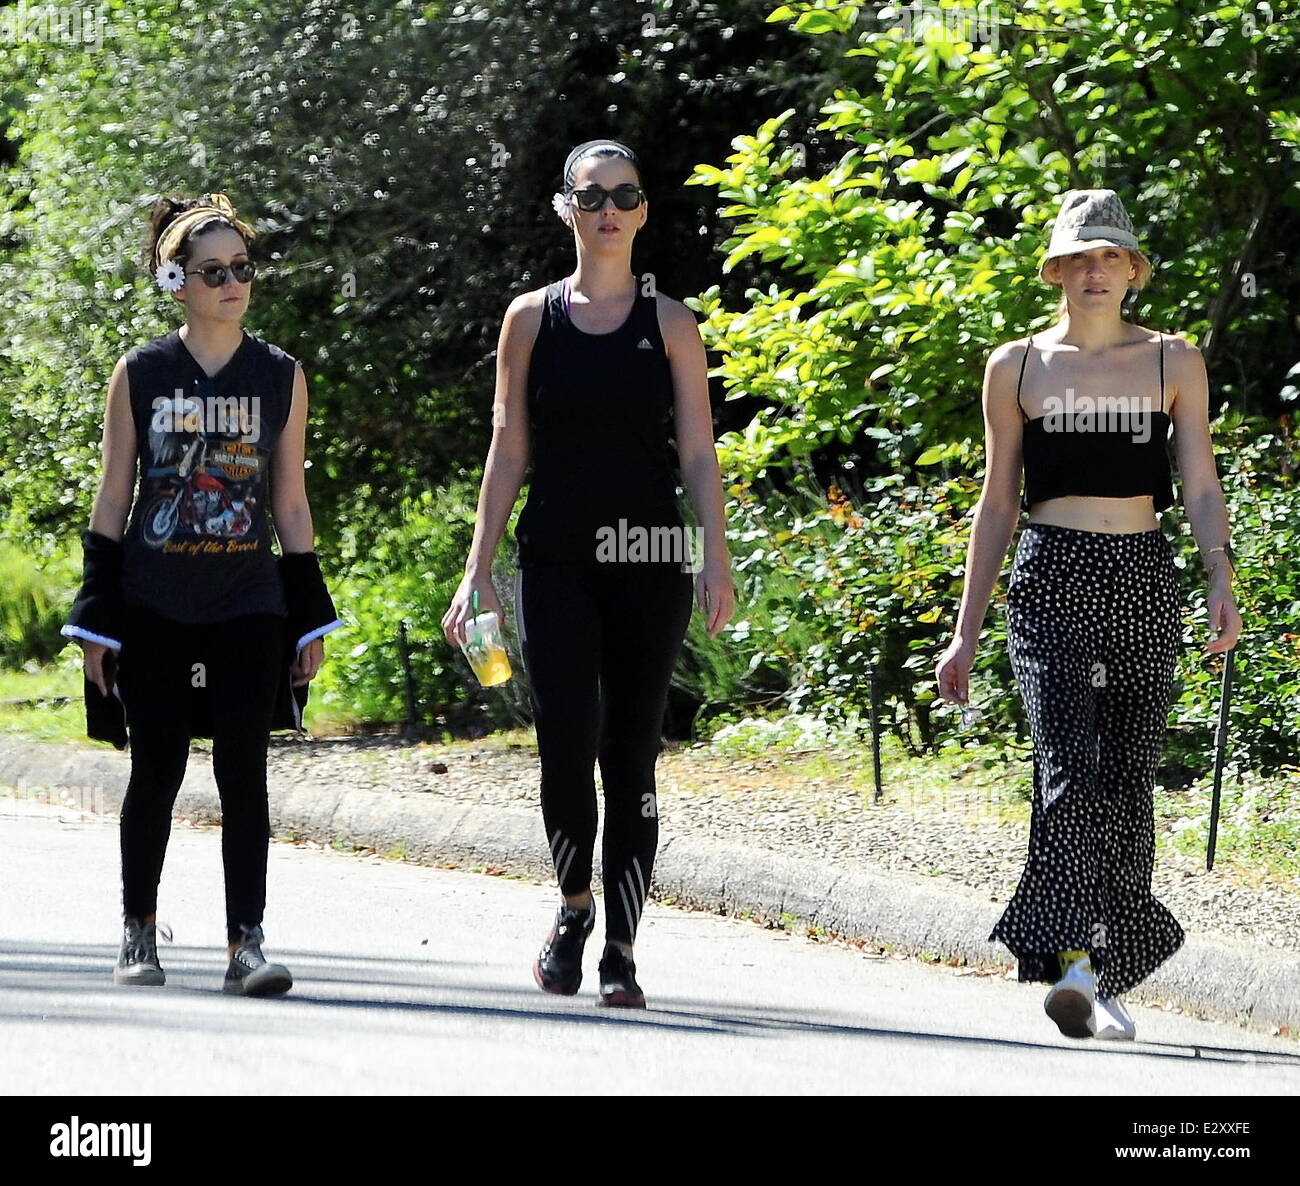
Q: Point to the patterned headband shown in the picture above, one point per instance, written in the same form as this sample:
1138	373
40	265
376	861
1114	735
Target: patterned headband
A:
214	206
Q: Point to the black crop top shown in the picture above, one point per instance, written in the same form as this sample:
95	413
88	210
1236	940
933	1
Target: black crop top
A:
1100	452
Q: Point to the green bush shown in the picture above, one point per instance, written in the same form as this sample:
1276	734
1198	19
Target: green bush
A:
404	567
789	734
747	668
1257	468
905	247
35	595
827	593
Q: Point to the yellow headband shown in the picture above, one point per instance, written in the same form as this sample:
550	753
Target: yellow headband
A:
215	205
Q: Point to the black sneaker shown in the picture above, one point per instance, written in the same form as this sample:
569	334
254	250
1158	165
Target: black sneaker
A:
618	986
137	962
558	967
249	974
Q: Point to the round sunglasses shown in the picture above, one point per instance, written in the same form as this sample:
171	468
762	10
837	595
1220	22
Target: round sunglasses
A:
592	197
214	275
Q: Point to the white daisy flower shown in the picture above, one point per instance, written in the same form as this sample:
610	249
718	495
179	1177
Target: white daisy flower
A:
170	276
560	204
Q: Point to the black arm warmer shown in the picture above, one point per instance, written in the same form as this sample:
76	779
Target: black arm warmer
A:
305	595
99	607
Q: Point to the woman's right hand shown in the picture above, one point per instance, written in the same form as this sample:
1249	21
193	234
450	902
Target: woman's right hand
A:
93	663
953	671
461	610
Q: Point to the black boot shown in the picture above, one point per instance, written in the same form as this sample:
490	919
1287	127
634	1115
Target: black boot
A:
618	986
558	967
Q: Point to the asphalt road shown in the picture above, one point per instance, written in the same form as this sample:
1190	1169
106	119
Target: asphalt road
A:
416	980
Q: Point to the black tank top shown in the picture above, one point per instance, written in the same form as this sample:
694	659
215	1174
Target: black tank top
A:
198	546
600	409
1102	452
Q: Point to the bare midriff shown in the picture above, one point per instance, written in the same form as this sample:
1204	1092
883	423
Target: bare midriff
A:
1115	515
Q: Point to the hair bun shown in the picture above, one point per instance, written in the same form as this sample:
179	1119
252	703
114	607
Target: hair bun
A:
168	209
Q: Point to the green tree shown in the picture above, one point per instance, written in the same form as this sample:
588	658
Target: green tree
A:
916	253
908	259
398	160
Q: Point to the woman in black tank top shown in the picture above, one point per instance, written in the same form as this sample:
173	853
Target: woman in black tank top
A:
596	373
191	625
1093	622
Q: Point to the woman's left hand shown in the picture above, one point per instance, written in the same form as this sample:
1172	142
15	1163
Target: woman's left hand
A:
716	595
308	662
1224	617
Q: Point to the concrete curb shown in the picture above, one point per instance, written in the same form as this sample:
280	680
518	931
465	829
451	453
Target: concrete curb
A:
1250	985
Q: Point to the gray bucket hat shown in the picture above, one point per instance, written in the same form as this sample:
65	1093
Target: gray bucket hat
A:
1091	218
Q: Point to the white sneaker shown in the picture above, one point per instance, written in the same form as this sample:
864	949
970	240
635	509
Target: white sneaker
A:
1112	1020
1070	1001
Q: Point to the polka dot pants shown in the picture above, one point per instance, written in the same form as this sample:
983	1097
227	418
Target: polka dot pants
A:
1093	628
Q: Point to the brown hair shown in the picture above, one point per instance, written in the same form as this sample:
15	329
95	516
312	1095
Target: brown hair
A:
167	210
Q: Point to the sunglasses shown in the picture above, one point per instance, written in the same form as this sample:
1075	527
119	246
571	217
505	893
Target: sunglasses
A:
592	198
214	275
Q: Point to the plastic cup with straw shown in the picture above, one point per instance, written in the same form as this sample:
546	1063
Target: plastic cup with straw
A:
484	647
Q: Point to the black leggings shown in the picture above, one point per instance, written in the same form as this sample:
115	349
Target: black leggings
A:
600	642
241	661
1094	631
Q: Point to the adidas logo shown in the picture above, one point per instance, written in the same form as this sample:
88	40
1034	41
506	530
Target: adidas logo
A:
644	344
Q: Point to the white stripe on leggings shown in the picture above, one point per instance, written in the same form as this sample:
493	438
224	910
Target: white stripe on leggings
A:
627	909
567	862
631	892
558	854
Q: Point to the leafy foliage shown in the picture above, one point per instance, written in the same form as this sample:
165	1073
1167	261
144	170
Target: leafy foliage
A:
917	251
398	161
34	601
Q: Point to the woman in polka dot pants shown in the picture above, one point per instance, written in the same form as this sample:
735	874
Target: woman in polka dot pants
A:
1093	626
1093	621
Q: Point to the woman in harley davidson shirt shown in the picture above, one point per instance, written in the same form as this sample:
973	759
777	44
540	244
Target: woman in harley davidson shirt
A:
198	547
215	419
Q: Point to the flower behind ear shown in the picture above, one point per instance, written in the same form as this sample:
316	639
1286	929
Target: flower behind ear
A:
170	276
560	204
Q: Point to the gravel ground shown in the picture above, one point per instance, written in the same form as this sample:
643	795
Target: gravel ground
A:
962	840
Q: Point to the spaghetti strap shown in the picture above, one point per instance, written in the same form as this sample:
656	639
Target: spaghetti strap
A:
1162	370
1028	342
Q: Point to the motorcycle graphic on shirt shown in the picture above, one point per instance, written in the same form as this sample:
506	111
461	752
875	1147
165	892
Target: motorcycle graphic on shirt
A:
204	479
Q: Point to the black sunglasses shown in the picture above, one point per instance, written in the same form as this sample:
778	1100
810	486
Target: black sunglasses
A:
592	198
214	275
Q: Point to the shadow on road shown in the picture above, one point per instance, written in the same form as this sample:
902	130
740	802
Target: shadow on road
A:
59	977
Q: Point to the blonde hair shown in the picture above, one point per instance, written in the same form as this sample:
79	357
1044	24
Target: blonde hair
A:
1141	265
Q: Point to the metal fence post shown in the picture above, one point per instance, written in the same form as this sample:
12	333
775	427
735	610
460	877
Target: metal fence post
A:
875	736
404	649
